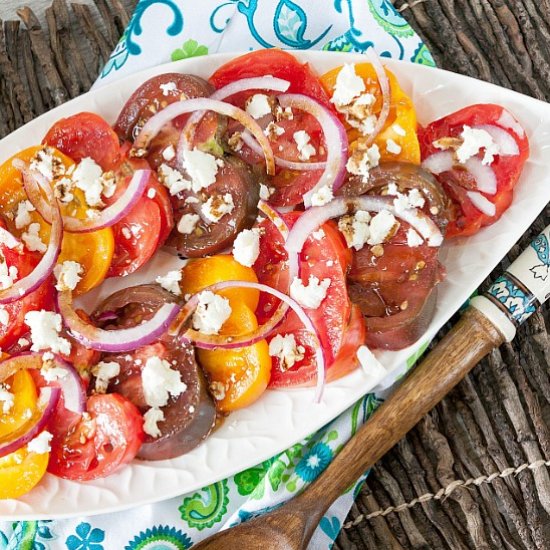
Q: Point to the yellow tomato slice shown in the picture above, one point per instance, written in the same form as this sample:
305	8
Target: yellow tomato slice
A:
202	272
238	377
93	250
402	114
22	386
20	472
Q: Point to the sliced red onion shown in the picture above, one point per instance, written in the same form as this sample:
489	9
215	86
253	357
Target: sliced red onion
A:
384	83
229	342
249	140
272	215
336	141
44	268
243	85
314	217
486	180
507	145
155	124
47	402
483	204
507	120
70	383
115	341
104	218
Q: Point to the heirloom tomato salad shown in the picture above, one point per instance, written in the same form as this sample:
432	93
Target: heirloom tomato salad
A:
309	209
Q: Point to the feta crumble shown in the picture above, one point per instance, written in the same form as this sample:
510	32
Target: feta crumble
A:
32	239
49	372
285	349
4	316
201	167
151	193
40	444
362	160
475	139
169	153
382	226
47	164
311	295
258	106
160	381
87	176
104	372
266	192
211	313
150	422
173	179
8	275
170	281
6	398
322	196
318	235
246	247
413	238
355	229
23	342
348	85
45	327
187	223
392	147
168	88
305	149
22	218
399	130
68	275
217	206
273	131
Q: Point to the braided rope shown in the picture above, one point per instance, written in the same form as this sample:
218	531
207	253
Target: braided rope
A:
444	492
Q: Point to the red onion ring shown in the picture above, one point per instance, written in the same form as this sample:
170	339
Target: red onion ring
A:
74	395
483	204
249	141
507	145
384	83
242	85
275	218
155	124
49	396
115	341
314	217
204	341
44	268
104	218
336	141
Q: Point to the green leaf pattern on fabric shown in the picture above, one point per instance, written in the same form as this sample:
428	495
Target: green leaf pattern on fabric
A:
191	48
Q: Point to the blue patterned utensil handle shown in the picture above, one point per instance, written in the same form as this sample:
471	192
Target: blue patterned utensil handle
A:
520	290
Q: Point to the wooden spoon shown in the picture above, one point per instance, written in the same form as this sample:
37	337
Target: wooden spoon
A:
489	321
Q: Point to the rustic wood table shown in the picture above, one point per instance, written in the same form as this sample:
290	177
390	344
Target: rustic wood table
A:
474	473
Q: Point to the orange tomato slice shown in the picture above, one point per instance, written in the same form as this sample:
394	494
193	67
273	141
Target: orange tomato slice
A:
21	385
20	472
93	250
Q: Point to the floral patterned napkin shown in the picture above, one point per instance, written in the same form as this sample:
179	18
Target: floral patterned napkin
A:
164	30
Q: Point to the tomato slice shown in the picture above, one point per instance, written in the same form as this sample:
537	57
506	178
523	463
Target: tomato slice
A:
466	219
85	135
95	447
22	387
20	472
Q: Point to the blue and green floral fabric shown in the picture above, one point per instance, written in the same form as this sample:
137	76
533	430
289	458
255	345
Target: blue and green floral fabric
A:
164	30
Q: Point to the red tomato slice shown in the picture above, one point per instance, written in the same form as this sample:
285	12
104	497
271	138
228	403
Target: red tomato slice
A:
467	218
85	135
96	447
41	298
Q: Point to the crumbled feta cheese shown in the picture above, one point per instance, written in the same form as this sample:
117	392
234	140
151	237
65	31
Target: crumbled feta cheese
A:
40	444
63	190
173	179
32	239
266	192
474	140
392	147
6	398
355	229
45	327
22	218
49	371
8	275
305	149
413	238
23	342
160	381
170	281
318	235
273	131
416	199
47	164
258	106
87	177
311	295
169	153
217	206
381	227
348	85
151	193
109	184
187	223
246	247
68	275
192	200
286	350
362	160
399	130
201	167
150	422
104	372
168	88
322	196
4	316
211	313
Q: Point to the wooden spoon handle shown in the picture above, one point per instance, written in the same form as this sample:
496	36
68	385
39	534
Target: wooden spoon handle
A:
458	352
